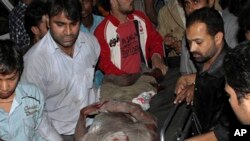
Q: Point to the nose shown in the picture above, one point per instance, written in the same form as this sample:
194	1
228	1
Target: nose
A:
4	86
192	47
67	30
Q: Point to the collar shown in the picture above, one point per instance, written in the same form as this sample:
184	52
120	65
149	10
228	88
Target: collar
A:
116	22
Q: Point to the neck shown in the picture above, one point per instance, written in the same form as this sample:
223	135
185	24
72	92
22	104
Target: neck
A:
7	100
121	17
69	51
210	62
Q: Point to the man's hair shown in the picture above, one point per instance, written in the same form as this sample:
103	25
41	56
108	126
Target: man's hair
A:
210	17
237	69
33	16
10	59
71	8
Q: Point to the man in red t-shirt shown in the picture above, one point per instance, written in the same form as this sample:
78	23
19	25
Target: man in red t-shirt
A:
128	41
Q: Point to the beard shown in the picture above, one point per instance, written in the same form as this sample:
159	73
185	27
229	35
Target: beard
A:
200	59
65	41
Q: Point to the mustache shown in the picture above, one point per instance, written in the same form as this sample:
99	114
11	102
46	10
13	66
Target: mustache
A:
195	53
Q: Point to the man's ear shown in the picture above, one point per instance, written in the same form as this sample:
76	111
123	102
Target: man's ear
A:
219	37
35	30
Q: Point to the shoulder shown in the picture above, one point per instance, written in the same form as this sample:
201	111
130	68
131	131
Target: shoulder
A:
90	40
29	90
86	37
98	17
139	14
102	24
40	50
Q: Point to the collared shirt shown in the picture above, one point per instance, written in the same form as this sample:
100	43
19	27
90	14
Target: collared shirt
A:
66	81
210	99
16	26
97	20
26	114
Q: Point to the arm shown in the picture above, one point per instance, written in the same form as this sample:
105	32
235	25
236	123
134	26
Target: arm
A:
44	124
210	136
105	63
150	10
157	62
154	46
33	73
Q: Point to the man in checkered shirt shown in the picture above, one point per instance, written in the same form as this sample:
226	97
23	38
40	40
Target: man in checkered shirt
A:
16	24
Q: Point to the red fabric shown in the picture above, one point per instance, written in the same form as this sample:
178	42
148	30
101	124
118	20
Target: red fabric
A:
154	42
130	49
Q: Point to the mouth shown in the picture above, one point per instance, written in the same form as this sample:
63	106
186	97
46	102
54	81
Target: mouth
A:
68	39
5	94
196	55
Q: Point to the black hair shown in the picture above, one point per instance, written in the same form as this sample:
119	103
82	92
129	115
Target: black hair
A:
71	8
208	16
10	59
237	69
33	16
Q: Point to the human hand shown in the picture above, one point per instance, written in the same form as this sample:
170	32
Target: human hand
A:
185	94
157	62
173	43
185	88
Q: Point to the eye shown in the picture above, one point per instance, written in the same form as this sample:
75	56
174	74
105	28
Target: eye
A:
59	24
196	2
74	23
198	42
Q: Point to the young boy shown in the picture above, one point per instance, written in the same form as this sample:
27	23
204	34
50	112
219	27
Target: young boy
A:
21	105
237	71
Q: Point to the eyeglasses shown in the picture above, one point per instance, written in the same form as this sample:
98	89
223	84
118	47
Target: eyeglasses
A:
188	3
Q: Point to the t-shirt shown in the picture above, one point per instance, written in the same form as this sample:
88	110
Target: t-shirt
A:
130	47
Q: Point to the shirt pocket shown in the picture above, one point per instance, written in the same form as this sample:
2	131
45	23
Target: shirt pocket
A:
29	127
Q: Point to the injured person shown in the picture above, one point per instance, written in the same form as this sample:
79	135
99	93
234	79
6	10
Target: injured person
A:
116	121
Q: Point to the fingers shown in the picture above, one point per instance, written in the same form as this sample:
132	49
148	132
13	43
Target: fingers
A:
190	95
180	97
179	88
185	93
181	84
164	69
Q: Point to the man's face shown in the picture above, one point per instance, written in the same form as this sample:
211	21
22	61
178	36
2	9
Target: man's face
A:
87	6
192	5
63	30
8	83
43	26
247	35
125	6
241	109
202	45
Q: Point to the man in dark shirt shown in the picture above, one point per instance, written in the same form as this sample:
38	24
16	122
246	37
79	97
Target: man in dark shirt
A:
16	24
205	36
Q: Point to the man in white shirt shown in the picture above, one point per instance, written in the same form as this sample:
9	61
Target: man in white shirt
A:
62	65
